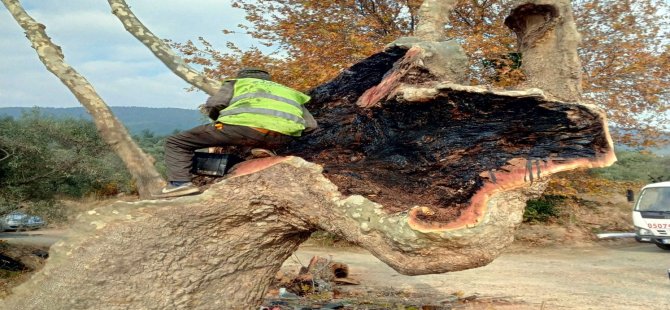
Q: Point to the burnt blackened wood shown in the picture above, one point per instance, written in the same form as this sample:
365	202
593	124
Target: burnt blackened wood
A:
353	82
434	152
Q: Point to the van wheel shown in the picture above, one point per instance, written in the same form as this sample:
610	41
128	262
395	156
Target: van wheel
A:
664	246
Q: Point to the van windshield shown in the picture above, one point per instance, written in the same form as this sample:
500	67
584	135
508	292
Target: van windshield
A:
654	199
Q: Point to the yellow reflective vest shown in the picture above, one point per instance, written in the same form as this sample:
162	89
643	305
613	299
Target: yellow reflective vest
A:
265	104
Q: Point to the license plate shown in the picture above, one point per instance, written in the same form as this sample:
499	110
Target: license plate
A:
666	241
656	225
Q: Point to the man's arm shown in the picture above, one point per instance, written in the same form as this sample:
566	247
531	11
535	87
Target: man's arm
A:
220	100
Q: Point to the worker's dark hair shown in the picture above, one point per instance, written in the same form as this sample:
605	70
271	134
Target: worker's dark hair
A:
255	73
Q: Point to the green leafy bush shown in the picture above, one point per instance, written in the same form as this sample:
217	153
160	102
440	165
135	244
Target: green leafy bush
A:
637	166
45	158
542	209
153	145
52	157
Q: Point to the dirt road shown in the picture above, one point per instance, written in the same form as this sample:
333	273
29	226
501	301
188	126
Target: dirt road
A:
607	275
621	275
33	238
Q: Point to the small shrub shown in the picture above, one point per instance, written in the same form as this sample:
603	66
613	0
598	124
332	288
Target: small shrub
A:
50	210
326	239
542	209
108	190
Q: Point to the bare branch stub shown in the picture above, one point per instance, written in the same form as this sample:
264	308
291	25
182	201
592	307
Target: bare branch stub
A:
7	154
531	22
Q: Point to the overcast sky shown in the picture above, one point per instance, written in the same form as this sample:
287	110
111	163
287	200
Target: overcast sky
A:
122	70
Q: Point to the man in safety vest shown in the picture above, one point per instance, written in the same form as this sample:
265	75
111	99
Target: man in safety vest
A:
249	110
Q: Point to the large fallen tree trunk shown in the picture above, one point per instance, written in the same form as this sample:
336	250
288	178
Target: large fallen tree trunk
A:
429	175
452	165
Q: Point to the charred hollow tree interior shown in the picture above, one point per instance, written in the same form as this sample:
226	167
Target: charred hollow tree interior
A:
435	151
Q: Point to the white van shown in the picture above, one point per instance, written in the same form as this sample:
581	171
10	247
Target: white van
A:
651	215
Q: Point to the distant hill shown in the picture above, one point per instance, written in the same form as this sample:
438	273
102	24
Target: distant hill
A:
663	150
161	121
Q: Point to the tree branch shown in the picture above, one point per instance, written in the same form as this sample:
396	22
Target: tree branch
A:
433	16
463	18
7	155
34	178
161	50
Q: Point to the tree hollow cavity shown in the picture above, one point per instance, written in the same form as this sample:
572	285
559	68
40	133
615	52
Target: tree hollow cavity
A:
530	22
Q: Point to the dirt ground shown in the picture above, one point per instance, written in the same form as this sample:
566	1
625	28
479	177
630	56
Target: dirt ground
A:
556	265
619	274
604	275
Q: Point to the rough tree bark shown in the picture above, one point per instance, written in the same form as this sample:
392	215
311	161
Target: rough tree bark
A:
433	16
140	165
548	39
428	175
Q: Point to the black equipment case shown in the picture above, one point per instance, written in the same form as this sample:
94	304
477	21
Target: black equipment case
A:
213	164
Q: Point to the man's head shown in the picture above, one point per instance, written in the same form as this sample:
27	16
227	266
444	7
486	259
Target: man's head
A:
254	73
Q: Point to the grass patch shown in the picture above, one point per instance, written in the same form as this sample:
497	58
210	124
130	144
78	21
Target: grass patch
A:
542	209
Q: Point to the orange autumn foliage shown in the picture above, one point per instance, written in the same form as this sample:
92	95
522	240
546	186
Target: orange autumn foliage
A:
625	48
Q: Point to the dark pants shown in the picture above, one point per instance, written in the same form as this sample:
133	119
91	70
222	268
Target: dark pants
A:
179	148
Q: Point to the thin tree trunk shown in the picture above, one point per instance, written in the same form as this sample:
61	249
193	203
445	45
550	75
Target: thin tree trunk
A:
548	40
433	16
140	165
